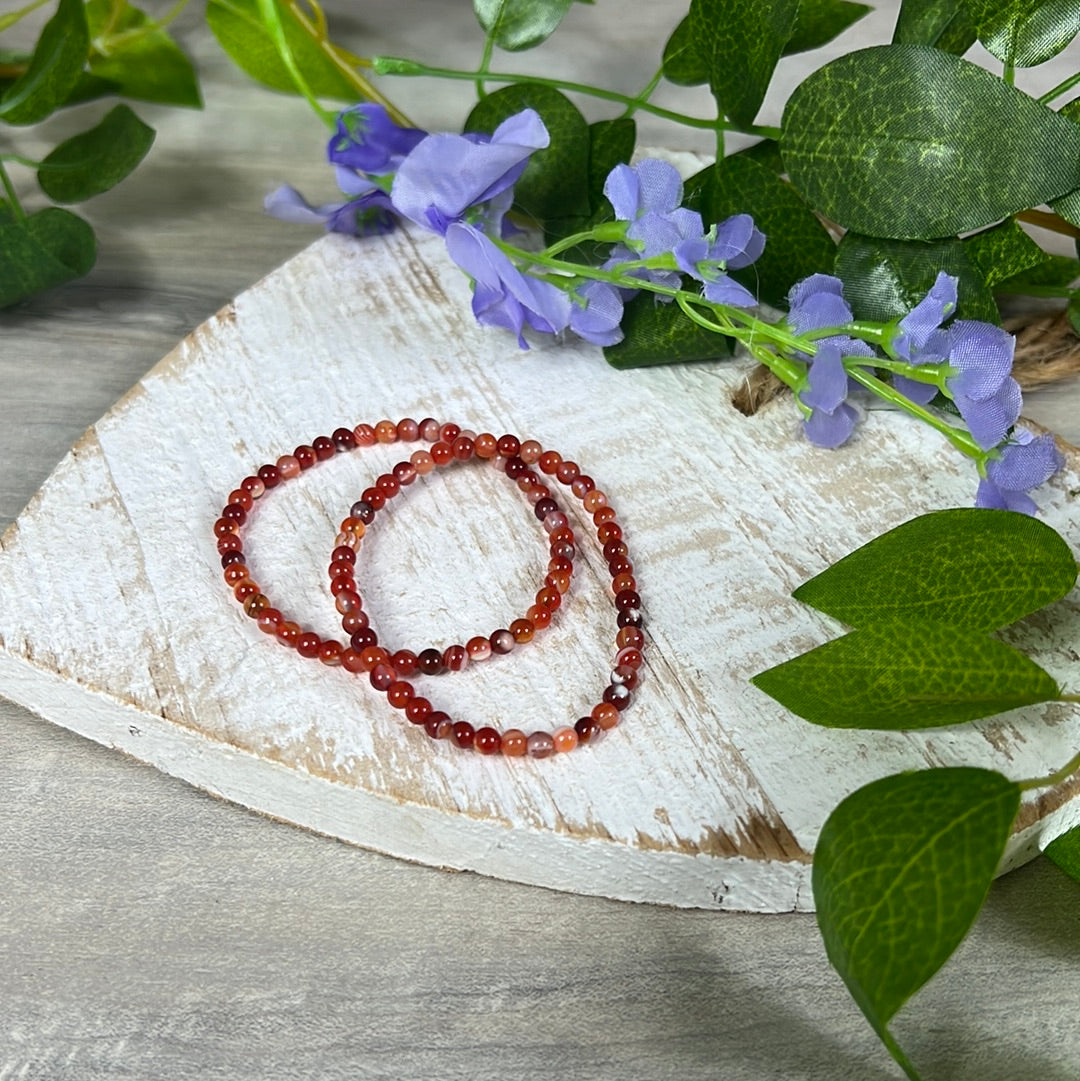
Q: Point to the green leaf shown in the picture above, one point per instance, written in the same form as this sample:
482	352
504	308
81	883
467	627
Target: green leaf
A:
765	152
611	143
519	24
1024	32
142	61
968	567
942	23
57	63
95	160
658	333
1003	251
43	250
819	21
884	279
907	675
682	63
901	869
796	245
242	34
740	42
555	183
1065	852
1054	270
906	141
1068	206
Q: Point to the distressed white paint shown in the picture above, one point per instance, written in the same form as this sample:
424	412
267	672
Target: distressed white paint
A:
116	623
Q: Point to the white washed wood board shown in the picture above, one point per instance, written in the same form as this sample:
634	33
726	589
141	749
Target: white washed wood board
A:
116	624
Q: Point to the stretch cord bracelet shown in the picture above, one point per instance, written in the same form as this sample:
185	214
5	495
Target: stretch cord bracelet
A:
450	446
454	658
629	639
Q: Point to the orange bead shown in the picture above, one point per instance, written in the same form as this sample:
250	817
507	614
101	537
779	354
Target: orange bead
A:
485	445
566	739
539	616
423	462
594	500
623	581
441	453
549	461
522	630
605	715
386	431
514	743
288	466
530	451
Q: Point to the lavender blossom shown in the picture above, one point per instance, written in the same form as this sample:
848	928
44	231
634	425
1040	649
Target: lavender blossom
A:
368	215
729	245
597	319
445	175
1025	462
502	295
368	141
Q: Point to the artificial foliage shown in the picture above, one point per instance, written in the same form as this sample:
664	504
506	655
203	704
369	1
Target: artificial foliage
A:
858	249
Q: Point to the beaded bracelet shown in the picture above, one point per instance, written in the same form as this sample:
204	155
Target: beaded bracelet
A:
449	448
384	676
454	658
630	638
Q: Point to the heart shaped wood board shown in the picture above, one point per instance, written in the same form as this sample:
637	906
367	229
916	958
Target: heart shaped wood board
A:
116	622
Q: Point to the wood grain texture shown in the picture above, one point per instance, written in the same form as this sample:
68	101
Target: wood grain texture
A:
710	795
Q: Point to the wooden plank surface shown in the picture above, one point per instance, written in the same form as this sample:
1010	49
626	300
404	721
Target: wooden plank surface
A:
148	931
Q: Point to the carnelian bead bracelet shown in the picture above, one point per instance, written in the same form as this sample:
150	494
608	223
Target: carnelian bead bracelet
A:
386	671
450	446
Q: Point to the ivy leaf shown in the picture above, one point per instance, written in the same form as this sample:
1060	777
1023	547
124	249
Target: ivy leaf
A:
555	183
740	42
796	244
967	567
901	869
884	279
905	141
819	21
1024	32
1002	251
244	36
43	250
682	63
143	61
942	23
57	63
658	333
765	152
95	160
907	675
1065	852
519	24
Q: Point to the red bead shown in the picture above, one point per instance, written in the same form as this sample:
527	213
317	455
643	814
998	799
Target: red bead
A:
374	498
364	435
463	734
429	430
487	741
330	653
441	453
350	660
269	620
404	473
307	645
614	549
343	581
388	485
502	641
417	709
567	472
288	633
630	636
625	676
463	448
269	475
347	601
455	658
588	731
234	512
630	657
255	604
343	439
381	676
508	446
343	554
618	695
449	432
609	531
627	598
236	573
363	638
245	589
582	485
408	430
323	447
404	662
438	724
549	462
305	455
242	498
399	693
229	558
514	743
549	597
253	486
372	656
429	661
229	543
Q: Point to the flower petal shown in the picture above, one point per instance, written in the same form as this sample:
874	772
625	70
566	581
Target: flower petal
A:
622	190
598	322
659	184
1026	462
982	354
827	380
368	140
990	419
917	326
919	393
830	429
725	290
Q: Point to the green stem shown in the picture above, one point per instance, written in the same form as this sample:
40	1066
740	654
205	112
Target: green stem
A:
271	21
1062	88
960	439
387	65
485	63
13	199
28	162
1060	775
645	93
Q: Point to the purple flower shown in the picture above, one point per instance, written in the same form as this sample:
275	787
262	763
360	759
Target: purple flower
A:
368	141
817	302
980	356
832	420
367	215
446	175
731	244
1025	462
914	330
597	319
502	295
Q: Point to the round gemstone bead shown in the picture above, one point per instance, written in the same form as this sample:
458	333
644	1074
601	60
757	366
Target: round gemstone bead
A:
540	745
487	740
